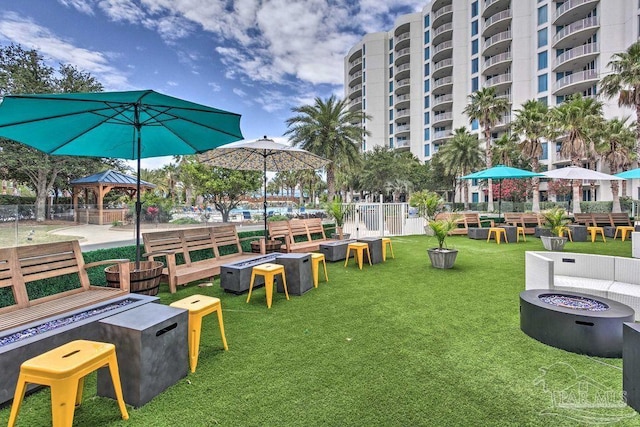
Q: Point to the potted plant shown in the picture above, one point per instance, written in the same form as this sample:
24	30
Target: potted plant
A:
428	204
442	257
555	220
336	210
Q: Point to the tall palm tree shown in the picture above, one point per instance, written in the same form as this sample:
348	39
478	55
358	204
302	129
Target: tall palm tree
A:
578	121
505	150
485	107
616	148
329	129
624	81
460	156
530	125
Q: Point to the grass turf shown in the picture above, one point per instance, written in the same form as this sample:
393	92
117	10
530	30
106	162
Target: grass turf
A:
396	344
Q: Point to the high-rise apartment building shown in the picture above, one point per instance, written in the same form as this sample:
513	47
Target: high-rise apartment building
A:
415	80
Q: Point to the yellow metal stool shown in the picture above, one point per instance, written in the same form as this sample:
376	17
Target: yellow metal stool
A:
268	271
594	231
625	230
520	231
568	231
63	369
316	259
497	232
387	241
199	306
359	248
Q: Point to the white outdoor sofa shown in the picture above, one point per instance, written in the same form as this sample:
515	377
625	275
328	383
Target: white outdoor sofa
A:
612	277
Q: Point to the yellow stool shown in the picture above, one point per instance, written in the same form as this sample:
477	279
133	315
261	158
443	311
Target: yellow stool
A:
497	232
594	231
625	230
316	259
387	241
568	231
520	231
359	248
268	270
199	306
63	369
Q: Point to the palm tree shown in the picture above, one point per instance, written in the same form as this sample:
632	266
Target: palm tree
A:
578	120
505	149
329	129
460	156
485	107
530	124
624	81
615	148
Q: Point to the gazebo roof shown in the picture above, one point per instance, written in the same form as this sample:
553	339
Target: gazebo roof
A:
111	177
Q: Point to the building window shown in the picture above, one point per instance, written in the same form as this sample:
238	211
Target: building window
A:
542	83
426	21
391	58
542	60
474	198
426	69
474	125
474	28
390	114
545	151
391	128
558	146
391	86
542	37
427	147
364	63
364	76
390	100
390	44
474	84
474	9
390	72
542	15
427	37
426	118
474	47
363	51
426	102
390	142
544	100
427	84
474	65
427	54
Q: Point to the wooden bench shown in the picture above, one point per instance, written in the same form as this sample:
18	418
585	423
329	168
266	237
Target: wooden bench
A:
209	240
298	235
461	224
472	219
528	221
23	268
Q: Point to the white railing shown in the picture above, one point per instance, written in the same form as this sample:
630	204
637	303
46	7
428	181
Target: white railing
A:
442	46
442	116
442	28
581	50
442	11
443	81
576	78
401	52
575	27
381	219
497	17
403	67
501	78
403	82
356	62
403	36
505	35
437	100
506	56
405	97
441	64
568	5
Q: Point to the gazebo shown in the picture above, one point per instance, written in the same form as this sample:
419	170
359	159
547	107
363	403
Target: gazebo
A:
100	184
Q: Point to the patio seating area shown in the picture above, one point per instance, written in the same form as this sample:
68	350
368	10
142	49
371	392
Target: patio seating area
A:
396	343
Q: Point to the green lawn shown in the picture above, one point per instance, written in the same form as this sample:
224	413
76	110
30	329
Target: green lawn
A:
396	344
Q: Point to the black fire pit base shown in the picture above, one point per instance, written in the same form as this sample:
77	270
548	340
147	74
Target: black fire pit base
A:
595	333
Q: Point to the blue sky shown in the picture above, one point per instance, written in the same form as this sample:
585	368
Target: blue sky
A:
253	57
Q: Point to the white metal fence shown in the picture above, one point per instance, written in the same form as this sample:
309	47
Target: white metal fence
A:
382	219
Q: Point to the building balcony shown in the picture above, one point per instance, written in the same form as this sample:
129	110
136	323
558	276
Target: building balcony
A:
497	43
442	68
576	34
355	78
576	82
402	101
497	23
441	51
355	104
502	123
403	144
355	91
572	10
403	114
403	131
403	56
442	119
441	136
355	65
442	15
499	82
403	71
576	58
491	7
437	4
442	85
497	64
357	54
506	96
402	41
442	33
442	101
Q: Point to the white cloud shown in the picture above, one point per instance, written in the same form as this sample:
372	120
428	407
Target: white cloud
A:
172	83
239	92
80	5
29	34
215	86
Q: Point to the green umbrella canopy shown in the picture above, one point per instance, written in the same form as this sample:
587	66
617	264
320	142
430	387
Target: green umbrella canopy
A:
103	124
502	172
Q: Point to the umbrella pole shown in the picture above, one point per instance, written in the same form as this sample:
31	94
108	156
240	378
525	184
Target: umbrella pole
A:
264	198
138	203
499	198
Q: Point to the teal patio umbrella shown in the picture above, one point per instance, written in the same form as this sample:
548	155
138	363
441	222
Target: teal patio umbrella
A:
630	174
126	125
501	172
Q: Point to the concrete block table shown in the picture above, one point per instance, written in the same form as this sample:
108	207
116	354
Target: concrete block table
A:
511	232
335	250
298	271
235	277
478	233
152	350
578	233
375	248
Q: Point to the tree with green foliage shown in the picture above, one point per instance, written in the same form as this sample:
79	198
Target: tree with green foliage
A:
224	188
487	108
578	121
25	71
329	129
530	125
624	82
460	156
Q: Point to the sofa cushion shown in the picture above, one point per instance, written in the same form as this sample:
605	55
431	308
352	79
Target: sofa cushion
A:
626	293
580	284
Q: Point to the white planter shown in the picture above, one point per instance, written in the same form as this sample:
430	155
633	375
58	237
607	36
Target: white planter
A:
444	258
553	243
